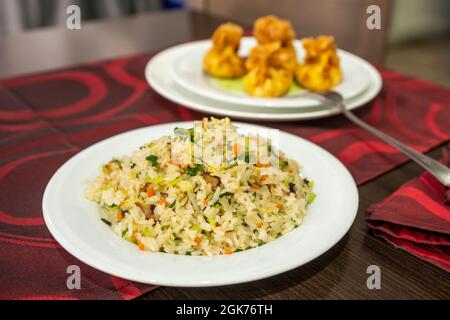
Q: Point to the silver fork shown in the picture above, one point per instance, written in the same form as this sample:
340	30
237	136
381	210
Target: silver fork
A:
437	169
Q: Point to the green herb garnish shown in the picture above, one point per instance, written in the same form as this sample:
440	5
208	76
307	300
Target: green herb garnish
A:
312	196
176	237
283	164
172	205
106	222
153	159
195	170
231	165
225	194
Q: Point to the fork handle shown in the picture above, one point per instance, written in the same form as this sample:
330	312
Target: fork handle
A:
437	169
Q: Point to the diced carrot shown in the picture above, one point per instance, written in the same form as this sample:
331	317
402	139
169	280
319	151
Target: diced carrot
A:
259	224
198	240
255	186
228	250
133	238
236	149
150	191
162	202
278	205
140	245
119	216
205	202
262	165
264	177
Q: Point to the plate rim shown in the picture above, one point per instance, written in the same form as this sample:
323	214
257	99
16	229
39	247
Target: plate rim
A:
138	278
204	105
248	101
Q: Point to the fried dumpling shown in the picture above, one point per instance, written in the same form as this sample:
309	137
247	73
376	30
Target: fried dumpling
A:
222	59
321	69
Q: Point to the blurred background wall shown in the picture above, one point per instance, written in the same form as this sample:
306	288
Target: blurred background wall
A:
414	32
408	19
22	15
418	19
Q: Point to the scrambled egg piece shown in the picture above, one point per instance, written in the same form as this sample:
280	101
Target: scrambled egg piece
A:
222	60
321	69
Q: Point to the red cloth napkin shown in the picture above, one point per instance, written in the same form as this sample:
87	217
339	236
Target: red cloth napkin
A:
47	118
416	218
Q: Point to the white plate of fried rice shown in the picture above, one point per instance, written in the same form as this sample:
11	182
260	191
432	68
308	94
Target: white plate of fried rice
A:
200	204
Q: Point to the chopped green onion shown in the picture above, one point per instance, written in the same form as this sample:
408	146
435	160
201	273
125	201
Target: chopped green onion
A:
172	205
118	162
155	180
225	194
311	198
147	233
174	182
107	187
153	159
231	165
197	228
106	222
176	237
186	186
283	164
194	171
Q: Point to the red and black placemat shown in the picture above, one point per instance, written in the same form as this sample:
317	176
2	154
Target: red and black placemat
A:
47	118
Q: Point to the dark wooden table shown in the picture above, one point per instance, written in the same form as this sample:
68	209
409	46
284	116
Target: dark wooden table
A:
339	273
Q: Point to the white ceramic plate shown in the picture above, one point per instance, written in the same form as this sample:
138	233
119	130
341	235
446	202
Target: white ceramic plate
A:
187	72
158	76
75	222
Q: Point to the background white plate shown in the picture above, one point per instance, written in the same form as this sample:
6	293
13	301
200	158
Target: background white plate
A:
157	74
75	222
187	72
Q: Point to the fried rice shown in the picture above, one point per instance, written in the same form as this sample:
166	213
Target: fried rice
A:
211	195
